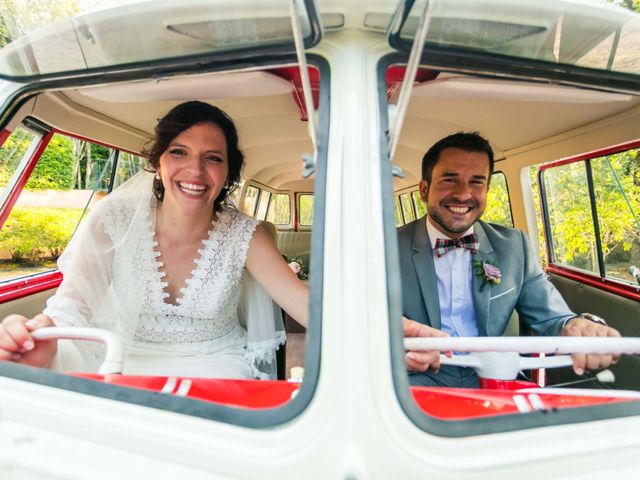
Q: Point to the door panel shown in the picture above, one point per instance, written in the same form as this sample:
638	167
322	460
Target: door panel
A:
621	313
28	306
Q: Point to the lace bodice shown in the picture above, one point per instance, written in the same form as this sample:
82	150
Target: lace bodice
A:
206	308
113	280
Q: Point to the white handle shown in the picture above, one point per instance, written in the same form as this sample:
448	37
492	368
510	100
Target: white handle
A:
112	362
627	345
503	365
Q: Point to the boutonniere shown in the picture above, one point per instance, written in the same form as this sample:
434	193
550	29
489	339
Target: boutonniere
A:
488	271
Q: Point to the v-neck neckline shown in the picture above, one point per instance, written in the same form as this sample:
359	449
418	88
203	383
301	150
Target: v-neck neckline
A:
184	290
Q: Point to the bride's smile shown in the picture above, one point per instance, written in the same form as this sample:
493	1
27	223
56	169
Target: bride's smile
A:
194	169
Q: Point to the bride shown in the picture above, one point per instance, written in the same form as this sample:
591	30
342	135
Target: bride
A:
178	274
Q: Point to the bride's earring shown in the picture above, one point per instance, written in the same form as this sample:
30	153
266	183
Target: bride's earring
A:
158	175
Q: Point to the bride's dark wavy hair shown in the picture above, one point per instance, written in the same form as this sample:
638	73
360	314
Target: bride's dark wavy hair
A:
181	118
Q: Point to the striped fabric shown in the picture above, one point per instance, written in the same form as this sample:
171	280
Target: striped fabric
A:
444	245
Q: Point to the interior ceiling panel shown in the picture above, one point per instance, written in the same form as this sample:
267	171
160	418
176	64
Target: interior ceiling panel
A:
510	114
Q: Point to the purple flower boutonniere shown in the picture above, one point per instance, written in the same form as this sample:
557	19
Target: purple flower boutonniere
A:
488	271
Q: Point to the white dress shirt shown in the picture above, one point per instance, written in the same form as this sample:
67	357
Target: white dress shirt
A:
455	275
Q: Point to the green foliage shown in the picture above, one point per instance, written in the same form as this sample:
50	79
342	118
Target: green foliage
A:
12	152
306	209
55	168
421	207
628	4
30	235
279	212
498	209
570	214
20	17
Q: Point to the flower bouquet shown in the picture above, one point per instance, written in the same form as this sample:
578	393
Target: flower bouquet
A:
297	266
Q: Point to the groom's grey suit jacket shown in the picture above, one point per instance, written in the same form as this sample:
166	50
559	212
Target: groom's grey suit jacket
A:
524	287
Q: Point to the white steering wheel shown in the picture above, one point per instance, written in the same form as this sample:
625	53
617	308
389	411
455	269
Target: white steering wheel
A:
112	362
498	357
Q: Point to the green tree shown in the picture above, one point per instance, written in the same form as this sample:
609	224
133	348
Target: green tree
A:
629	4
55	168
12	152
498	209
20	17
617	198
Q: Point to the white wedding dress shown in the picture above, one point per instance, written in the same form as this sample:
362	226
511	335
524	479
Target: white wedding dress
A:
223	324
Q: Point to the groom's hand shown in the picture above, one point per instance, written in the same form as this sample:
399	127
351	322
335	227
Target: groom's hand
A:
581	327
421	361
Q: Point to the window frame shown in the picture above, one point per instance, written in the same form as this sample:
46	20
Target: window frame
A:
302	227
273	192
598	280
432	425
244	417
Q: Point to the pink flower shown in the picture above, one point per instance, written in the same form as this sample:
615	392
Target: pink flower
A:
295	267
492	273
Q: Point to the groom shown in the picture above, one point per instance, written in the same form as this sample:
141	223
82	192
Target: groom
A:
465	277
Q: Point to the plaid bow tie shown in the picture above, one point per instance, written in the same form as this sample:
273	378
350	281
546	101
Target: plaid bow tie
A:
444	245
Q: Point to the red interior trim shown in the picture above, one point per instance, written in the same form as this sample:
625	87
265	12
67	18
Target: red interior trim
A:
621	147
252	394
395	75
466	403
628	291
292	74
4	134
23	287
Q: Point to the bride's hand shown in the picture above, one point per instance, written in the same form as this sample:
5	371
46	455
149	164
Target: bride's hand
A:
17	344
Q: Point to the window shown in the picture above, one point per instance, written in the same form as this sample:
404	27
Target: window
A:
398	212
16	151
128	165
279	210
418	204
407	208
305	209
71	175
250	200
111	118
265	196
592	208
498	208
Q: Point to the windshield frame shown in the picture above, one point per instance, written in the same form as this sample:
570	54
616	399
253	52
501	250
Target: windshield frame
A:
432	425
263	418
190	62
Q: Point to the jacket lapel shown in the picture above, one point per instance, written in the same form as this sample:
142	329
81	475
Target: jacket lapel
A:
481	299
425	270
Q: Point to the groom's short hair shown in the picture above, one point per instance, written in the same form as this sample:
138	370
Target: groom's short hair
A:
468	141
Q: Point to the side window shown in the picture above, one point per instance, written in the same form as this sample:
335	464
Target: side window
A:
250	200
592	211
70	176
419	205
305	209
571	232
128	165
398	210
407	208
14	154
498	208
279	212
265	196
